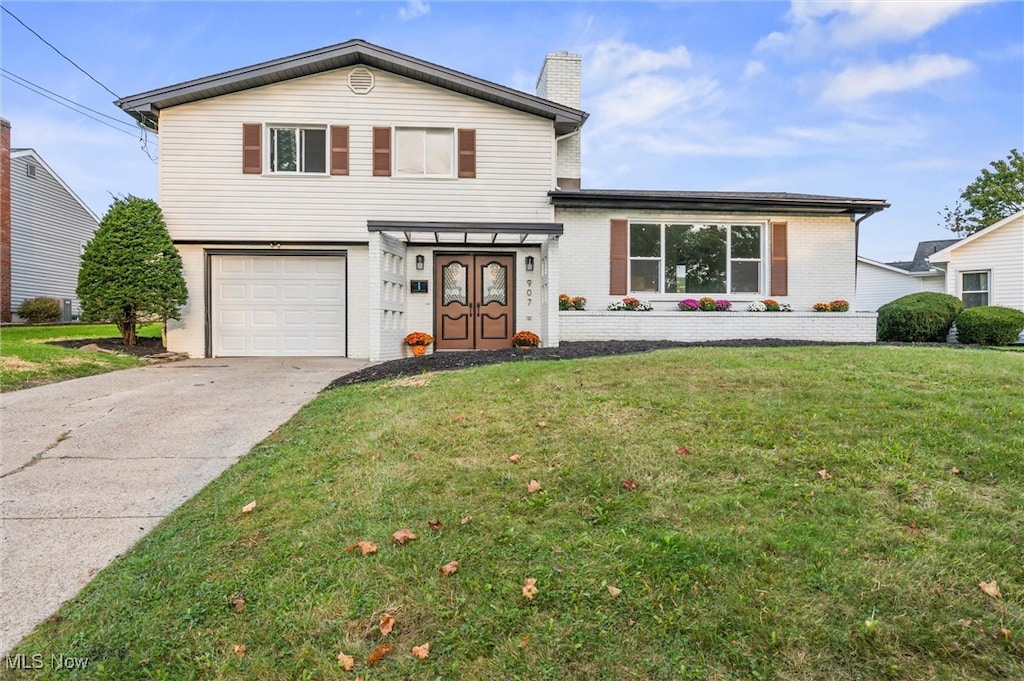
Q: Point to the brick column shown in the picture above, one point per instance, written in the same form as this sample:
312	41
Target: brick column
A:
5	220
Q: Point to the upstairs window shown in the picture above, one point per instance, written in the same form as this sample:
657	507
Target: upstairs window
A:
424	152
974	289
695	258
298	150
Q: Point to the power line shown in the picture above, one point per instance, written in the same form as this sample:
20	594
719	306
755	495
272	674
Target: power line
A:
54	99
19	80
69	59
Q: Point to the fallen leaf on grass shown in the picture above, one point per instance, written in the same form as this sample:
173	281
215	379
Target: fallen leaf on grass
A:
379	653
682	451
465	519
913	530
449	568
533	486
418	457
991	588
614	591
530	588
460	418
239	650
237	601
347	662
515	458
435	525
1006	633
387	623
402	536
824	474
248	508
525	641
542	424
954	470
364	547
421	651
629	484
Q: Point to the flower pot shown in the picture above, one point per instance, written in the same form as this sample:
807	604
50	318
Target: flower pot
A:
419	350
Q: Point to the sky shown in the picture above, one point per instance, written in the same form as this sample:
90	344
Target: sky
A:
903	101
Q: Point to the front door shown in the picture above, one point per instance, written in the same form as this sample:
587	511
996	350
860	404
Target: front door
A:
473	301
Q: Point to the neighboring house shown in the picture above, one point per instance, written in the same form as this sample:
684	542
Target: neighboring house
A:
45	227
330	202
881	282
987	267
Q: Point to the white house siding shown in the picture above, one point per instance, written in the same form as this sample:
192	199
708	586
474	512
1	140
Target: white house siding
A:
49	226
821	256
1001	252
877	286
205	195
188	335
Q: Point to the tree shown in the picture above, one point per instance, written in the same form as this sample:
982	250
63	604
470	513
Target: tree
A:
131	271
994	195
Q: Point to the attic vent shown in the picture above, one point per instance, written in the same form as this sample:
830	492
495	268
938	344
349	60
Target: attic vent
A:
30	169
360	81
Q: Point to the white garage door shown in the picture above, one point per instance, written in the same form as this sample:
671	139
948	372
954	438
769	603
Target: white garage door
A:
266	305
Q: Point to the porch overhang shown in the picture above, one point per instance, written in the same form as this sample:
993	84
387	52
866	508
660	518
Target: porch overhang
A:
418	233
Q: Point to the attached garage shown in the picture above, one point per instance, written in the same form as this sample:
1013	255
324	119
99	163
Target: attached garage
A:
281	304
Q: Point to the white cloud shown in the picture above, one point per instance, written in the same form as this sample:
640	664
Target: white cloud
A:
825	24
413	9
615	60
861	82
643	99
753	69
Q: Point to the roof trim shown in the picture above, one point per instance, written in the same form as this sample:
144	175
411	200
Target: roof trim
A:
25	152
943	255
522	230
898	270
145	107
740	202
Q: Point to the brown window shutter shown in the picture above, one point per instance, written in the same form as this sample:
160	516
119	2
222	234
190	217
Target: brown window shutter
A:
780	267
382	152
252	148
619	257
339	150
467	153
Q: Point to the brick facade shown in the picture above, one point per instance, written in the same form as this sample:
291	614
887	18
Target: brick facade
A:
559	81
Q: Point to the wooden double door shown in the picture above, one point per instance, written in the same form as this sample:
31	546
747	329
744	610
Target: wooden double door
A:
474	306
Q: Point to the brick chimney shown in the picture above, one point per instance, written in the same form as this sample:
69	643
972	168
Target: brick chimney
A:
559	81
5	220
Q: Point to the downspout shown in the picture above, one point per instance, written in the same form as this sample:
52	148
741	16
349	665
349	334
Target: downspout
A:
559	139
856	243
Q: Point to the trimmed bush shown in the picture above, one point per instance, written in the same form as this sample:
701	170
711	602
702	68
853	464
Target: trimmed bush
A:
40	310
989	325
918	318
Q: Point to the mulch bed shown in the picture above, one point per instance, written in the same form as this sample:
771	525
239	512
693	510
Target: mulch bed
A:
145	347
447	361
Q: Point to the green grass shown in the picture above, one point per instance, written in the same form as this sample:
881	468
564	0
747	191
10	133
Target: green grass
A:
739	561
26	360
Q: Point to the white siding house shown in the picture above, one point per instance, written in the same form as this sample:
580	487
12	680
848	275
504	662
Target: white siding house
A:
987	267
333	201
49	227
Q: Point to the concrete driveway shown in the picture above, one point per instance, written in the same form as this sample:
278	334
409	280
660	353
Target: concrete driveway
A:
91	465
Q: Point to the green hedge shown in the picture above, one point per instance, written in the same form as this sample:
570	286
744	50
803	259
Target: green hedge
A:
40	310
989	325
918	318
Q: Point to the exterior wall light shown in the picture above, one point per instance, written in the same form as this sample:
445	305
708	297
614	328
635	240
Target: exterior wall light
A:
529	263
419	262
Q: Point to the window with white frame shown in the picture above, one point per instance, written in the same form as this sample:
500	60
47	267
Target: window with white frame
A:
695	258
298	150
974	288
424	152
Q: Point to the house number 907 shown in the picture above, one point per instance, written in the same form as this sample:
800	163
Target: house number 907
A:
529	292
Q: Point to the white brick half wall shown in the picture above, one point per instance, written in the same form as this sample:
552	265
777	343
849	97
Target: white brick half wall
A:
838	327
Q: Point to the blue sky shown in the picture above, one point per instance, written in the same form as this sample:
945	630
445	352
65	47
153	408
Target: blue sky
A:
905	101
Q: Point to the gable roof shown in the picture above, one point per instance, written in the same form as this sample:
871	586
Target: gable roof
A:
739	202
31	153
898	267
924	250
145	107
943	255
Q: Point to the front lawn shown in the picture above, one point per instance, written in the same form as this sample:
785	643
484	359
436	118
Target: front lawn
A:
26	360
702	513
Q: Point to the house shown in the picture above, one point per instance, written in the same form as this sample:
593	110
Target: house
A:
987	267
881	282
330	202
44	228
